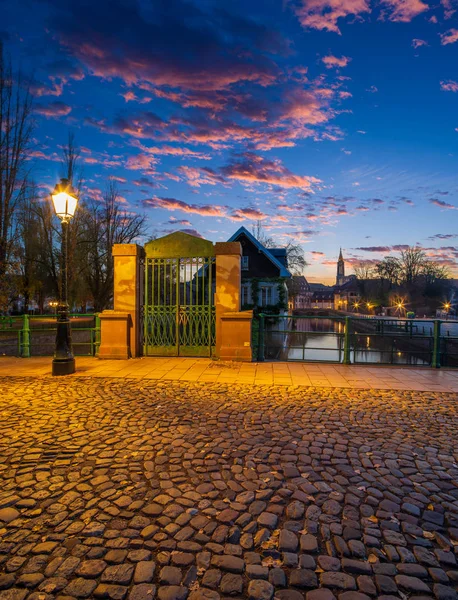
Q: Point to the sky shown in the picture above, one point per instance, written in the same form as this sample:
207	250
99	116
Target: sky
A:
333	122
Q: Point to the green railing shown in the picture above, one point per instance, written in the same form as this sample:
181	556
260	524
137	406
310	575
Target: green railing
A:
34	335
355	340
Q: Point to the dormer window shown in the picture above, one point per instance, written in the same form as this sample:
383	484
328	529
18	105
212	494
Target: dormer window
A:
245	263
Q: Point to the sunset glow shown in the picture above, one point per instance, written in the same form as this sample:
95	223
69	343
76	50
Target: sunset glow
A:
334	122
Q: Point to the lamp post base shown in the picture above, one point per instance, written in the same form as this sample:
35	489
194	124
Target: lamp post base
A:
63	367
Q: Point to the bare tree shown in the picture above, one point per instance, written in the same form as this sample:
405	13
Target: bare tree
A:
16	125
412	262
389	269
107	223
259	232
294	252
364	270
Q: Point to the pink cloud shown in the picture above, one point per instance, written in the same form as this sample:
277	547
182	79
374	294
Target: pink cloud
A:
449	86
172	204
129	96
449	37
449	9
53	109
252	214
141	162
405	10
39	90
197	177
333	62
417	43
442	204
324	14
252	168
183	222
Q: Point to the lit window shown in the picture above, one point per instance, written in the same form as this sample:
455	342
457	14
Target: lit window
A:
245	263
266	296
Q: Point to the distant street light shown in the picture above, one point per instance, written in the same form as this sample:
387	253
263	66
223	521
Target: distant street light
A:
65	202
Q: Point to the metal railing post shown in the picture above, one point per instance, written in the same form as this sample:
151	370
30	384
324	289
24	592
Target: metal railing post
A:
436	362
346	353
261	338
25	337
97	335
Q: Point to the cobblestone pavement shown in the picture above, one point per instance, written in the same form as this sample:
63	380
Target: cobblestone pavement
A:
132	489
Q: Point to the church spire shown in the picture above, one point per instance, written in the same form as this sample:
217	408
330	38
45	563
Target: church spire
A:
340	278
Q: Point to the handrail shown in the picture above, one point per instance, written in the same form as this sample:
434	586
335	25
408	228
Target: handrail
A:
25	331
400	331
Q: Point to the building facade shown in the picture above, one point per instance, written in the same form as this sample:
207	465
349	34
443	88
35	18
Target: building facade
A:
299	293
264	274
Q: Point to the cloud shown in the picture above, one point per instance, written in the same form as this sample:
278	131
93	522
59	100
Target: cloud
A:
196	177
184	222
141	162
449	37
373	89
252	168
374	248
334	62
252	214
442	204
404	10
53	109
325	14
207	210
172	204
417	43
449	86
145	182
193	232
59	73
443	236
212	49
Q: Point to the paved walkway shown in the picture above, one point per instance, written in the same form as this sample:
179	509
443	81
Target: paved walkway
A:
133	489
204	370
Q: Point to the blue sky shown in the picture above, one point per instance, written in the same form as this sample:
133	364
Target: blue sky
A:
334	122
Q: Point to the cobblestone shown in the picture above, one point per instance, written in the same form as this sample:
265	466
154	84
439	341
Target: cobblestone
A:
138	489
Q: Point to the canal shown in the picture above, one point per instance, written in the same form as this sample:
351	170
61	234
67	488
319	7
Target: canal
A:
399	342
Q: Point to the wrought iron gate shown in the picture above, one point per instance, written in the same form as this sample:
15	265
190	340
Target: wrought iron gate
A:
179	312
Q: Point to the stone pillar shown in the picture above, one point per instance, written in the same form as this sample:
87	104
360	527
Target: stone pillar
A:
233	328
121	326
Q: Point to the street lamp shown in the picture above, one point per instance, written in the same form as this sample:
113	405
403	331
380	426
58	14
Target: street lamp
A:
65	201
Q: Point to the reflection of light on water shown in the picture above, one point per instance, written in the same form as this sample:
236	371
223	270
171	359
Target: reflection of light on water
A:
399	353
368	342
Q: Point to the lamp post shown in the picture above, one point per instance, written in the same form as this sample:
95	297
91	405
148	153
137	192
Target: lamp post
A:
65	201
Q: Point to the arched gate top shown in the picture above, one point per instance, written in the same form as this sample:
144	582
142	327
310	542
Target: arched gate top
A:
179	245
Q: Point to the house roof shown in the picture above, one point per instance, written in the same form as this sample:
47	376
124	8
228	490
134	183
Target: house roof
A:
266	251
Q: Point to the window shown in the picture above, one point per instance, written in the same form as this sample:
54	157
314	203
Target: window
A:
245	294
266	296
245	263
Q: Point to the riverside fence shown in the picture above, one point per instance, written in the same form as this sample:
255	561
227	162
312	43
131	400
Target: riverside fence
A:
34	335
357	340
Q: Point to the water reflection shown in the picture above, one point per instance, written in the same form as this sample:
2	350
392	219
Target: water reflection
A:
390	342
